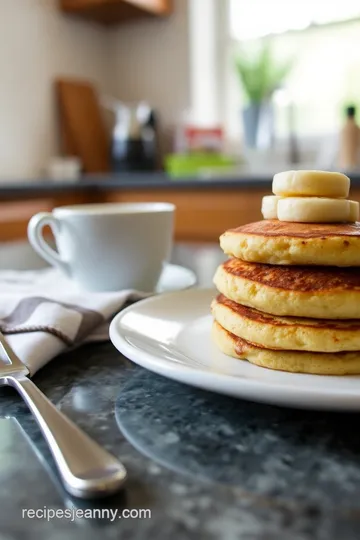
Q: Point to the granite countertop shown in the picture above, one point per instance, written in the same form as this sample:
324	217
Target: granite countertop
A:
158	180
108	182
207	466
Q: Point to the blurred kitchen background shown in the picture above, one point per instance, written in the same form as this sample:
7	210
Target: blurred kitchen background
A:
194	101
260	75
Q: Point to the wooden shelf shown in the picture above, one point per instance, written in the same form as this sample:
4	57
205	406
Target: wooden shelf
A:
112	12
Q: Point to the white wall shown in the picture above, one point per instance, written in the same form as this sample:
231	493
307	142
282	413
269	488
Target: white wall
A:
37	44
204	76
144	59
151	61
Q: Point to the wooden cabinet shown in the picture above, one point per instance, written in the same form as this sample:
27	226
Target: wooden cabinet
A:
112	12
202	214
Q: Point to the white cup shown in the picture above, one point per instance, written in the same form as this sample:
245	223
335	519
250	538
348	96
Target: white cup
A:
107	247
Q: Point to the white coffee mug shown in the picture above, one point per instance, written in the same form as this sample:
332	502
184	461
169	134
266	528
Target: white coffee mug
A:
107	247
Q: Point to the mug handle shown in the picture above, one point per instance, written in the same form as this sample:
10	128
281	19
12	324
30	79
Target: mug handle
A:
38	242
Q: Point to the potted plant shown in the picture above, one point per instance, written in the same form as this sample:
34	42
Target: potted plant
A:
260	75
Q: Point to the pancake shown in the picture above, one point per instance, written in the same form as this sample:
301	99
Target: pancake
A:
297	291
274	332
341	363
278	242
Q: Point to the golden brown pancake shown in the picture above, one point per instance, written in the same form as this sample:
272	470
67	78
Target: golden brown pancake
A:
289	333
297	291
284	243
341	363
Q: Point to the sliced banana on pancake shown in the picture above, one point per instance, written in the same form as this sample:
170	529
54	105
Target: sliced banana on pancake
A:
354	211
317	210
269	206
311	184
309	209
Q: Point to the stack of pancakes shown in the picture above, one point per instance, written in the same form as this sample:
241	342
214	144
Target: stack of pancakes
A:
290	296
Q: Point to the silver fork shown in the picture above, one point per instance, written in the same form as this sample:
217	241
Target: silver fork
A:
86	469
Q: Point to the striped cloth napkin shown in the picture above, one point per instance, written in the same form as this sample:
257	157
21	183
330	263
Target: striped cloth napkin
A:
43	313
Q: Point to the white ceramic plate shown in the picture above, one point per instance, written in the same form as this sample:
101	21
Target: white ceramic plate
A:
170	335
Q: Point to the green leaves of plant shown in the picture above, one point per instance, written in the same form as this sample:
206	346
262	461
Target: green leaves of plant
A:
259	74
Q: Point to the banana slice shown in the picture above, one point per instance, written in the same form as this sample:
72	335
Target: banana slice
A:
354	211
317	210
269	206
311	184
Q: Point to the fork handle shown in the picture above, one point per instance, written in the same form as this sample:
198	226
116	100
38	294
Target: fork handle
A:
86	469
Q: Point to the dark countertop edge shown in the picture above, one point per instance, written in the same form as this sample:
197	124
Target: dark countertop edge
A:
137	181
108	183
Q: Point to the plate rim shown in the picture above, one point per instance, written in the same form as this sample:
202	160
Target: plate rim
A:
291	395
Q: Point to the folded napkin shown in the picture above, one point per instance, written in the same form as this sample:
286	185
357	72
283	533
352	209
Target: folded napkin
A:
42	313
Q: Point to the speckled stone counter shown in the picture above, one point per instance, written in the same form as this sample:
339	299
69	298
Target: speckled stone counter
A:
207	466
98	183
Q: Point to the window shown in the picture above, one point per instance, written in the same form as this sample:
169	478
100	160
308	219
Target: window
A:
259	18
326	60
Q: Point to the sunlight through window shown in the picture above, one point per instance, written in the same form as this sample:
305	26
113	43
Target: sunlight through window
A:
259	18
